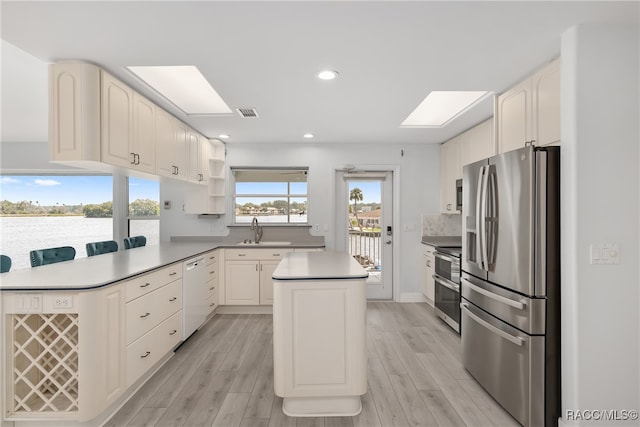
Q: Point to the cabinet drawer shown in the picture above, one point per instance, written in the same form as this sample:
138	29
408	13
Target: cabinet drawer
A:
146	283
212	302
144	313
212	287
256	254
150	348
211	258
212	271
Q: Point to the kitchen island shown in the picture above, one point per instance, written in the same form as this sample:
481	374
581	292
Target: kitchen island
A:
319	334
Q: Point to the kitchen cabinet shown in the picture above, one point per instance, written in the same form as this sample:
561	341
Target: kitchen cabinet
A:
428	270
98	122
209	198
478	143
153	318
450	172
212	266
529	112
248	275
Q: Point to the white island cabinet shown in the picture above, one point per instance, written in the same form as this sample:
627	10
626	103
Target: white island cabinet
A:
319	334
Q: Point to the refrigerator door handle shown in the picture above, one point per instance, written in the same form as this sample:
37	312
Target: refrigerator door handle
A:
484	258
492	219
479	224
520	305
513	339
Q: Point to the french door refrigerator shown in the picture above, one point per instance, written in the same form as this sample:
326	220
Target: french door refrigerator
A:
510	309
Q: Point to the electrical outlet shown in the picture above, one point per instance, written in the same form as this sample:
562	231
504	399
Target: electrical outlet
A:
63	302
316	227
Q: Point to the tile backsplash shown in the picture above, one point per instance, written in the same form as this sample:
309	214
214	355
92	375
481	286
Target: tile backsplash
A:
441	225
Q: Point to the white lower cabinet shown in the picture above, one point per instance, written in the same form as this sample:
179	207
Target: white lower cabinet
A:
212	265
248	274
428	268
149	349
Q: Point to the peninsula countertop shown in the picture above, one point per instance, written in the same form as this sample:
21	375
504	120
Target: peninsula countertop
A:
102	270
325	265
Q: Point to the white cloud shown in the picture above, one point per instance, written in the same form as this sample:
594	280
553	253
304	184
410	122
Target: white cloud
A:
46	182
9	180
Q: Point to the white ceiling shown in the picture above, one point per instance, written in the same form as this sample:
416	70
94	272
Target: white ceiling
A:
265	55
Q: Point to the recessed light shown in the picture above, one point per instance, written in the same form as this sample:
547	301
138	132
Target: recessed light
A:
183	86
308	135
327	75
223	136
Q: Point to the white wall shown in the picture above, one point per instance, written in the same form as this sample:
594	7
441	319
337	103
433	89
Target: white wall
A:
418	175
600	197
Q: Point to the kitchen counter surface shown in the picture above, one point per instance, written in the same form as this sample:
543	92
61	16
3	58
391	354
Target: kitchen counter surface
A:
325	265
444	241
103	270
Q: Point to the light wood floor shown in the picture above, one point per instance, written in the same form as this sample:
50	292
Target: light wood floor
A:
223	376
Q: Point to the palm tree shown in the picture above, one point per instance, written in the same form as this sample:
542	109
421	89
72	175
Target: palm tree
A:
356	195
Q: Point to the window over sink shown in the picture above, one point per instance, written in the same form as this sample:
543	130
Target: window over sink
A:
273	195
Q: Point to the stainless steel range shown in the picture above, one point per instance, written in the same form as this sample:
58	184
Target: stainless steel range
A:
447	285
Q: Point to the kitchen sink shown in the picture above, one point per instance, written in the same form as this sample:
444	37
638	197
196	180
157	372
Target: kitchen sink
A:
267	243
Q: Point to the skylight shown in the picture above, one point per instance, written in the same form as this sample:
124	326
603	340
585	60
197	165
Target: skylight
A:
185	87
440	107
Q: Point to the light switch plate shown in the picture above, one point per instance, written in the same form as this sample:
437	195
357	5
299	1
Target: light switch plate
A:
604	253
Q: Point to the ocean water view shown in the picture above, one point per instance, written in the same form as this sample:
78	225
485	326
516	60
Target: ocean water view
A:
20	235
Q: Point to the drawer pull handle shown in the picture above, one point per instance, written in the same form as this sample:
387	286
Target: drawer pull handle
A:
173	273
173	299
212	288
212	257
276	254
242	254
145	285
212	304
173	332
142	316
212	272
146	354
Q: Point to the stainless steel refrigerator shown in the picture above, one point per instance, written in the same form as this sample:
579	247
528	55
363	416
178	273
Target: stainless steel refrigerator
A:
510	309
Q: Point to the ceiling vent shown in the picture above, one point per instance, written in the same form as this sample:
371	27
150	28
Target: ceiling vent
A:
247	113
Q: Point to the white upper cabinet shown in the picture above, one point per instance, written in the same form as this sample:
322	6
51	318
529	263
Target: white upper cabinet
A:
144	140
450	172
117	122
478	143
530	111
96	118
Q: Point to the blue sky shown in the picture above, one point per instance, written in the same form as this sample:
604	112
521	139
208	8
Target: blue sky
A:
69	189
370	190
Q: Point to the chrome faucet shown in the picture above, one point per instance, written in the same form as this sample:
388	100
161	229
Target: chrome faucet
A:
258	229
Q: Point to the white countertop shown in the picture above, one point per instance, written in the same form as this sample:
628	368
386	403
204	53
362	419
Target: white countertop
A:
319	266
101	270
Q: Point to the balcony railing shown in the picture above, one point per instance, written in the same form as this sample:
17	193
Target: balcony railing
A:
365	247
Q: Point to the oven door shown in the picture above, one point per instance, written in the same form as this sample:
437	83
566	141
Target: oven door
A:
447	301
447	267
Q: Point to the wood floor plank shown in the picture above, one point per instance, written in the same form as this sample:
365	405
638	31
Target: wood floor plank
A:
186	401
451	362
442	410
416	370
241	346
460	400
310	422
261	400
498	416
279	418
230	414
251	362
206	410
414	408
254	422
146	417
338	422
387	354
368	417
389	409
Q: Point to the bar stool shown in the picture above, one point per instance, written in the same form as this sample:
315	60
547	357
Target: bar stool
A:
51	255
5	263
134	242
98	248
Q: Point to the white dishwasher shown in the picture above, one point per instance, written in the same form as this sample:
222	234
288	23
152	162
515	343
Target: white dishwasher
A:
194	294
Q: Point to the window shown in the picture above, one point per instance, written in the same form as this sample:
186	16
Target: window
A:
38	212
144	209
274	196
